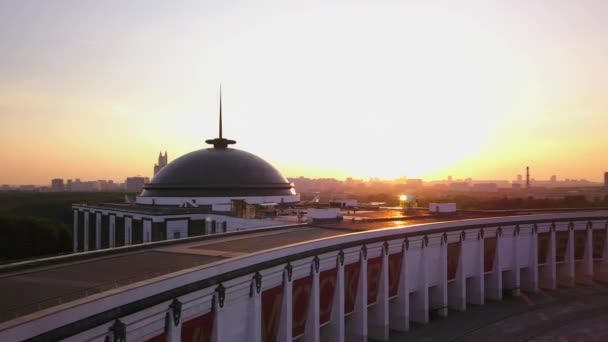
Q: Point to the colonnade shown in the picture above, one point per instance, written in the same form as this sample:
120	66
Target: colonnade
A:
108	230
343	288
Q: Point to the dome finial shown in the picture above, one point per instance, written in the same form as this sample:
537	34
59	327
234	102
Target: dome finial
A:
220	142
220	111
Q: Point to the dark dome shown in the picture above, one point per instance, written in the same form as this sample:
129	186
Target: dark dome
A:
218	172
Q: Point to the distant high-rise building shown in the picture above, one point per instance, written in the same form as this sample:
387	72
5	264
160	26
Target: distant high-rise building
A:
57	185
162	162
519	179
449	178
527	177
606	179
553	179
135	184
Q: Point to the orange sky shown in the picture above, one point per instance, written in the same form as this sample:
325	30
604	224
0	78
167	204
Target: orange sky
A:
352	88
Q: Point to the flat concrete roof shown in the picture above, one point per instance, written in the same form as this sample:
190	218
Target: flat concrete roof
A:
68	281
24	288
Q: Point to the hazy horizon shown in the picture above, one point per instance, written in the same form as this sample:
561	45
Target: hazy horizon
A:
480	89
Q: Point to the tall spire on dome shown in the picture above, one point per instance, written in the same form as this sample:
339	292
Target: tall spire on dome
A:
220	142
221	111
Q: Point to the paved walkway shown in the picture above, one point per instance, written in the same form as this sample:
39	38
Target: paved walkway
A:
578	314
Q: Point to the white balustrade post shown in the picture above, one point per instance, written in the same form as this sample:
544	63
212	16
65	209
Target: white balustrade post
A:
548	276
442	301
566	273
475	293
218	308
98	231
356	330
286	322
419	304
312	332
584	269
147	230
174	332
128	225
378	319
112	237
336	328
86	231
511	280
529	278
75	231
399	307
254	321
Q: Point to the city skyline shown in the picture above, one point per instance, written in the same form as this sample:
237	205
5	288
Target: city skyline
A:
95	90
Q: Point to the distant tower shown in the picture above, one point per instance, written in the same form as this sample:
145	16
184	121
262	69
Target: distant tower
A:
162	162
527	177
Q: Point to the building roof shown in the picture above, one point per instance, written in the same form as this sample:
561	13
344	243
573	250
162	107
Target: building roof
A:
218	172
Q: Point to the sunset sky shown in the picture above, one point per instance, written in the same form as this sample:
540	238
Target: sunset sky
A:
95	89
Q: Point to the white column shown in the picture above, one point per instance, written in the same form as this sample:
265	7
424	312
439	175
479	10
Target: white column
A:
377	319
75	231
216	335
312	331
475	293
254	321
439	301
529	275
174	332
548	276
419	304
147	227
493	284
511	280
399	307
112	237
335	326
128	225
565	271
86	231
584	270
98	231
356	327
286	322
457	289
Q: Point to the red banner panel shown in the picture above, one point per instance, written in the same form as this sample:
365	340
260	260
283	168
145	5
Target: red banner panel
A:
561	243
198	329
599	238
301	299
453	258
272	301
489	253
327	288
580	239
374	268
394	272
160	338
351	285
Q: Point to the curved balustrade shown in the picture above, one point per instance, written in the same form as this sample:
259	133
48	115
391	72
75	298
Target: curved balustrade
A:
343	288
